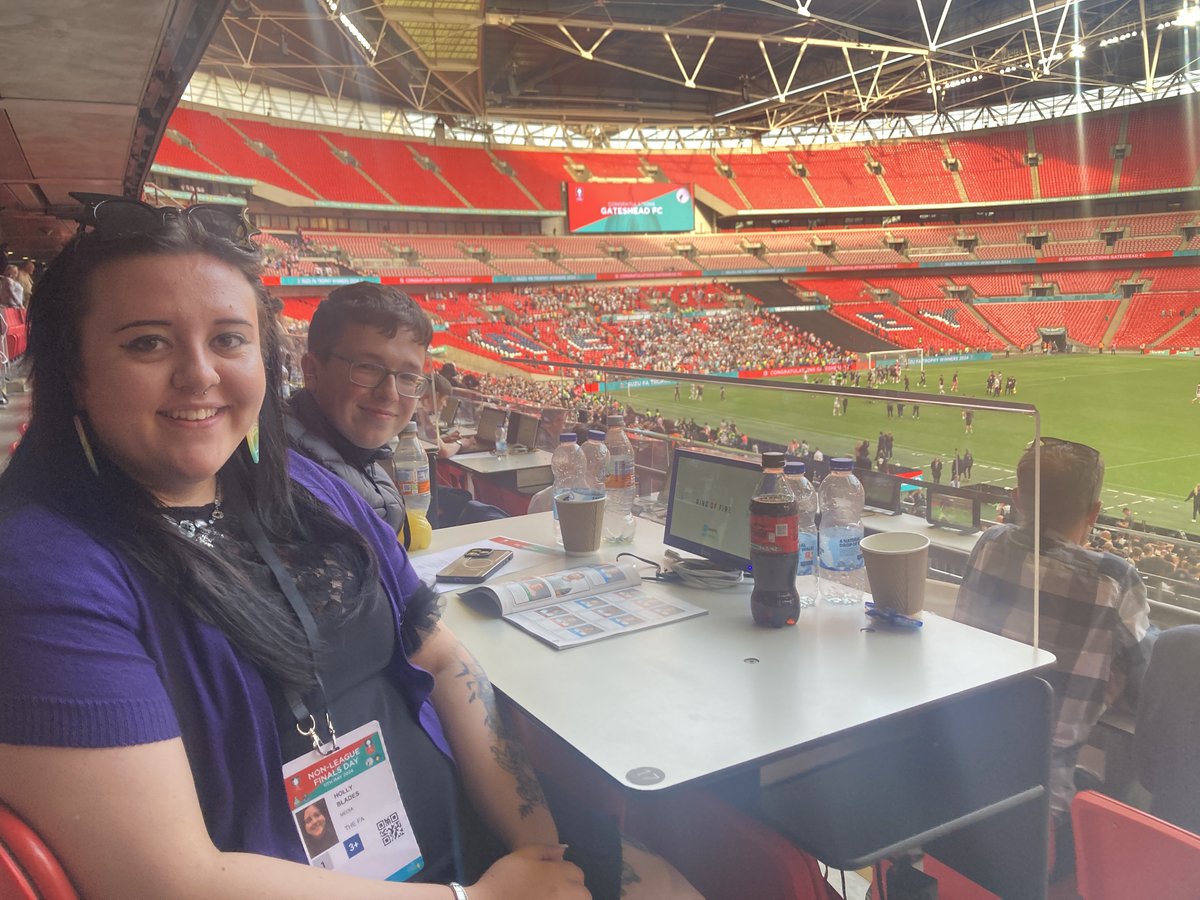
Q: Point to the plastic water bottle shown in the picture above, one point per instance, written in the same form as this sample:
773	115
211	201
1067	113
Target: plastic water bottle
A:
412	478
843	576
774	547
597	455
806	499
569	466
620	484
501	448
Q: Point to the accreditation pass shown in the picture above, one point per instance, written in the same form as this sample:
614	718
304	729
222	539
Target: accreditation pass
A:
348	810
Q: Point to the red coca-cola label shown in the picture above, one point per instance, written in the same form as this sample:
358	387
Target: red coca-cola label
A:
774	534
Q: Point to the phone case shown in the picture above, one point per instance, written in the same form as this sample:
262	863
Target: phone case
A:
474	566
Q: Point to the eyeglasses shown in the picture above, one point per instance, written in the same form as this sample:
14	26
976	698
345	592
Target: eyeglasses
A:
112	217
372	375
1090	452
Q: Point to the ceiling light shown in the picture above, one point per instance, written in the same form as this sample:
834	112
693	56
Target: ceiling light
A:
1077	51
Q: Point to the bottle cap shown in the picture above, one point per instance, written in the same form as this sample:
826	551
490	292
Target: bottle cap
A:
595	434
410	428
568	437
616	421
841	464
772	460
793	467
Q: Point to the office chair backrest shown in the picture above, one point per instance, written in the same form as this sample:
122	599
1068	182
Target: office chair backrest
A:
1122	852
1168	727
28	869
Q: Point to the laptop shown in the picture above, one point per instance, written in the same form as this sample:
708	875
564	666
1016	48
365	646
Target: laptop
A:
449	411
522	431
708	512
490	418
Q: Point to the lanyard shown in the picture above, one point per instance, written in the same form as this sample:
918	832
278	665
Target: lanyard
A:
306	722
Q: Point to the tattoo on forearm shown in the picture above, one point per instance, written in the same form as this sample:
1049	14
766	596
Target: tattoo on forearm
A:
508	753
629	876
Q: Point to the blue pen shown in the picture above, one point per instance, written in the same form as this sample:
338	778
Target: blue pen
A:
893	618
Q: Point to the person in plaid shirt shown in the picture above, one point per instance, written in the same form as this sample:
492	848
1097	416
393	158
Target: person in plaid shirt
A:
1094	614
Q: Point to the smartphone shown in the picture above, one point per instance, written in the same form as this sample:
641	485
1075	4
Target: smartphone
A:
475	566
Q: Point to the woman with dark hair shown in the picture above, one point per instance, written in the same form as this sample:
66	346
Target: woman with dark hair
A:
189	610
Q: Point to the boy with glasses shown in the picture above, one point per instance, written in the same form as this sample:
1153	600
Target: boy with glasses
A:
1094	614
364	372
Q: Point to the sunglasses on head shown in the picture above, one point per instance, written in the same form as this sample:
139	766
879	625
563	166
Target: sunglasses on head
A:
111	217
1059	442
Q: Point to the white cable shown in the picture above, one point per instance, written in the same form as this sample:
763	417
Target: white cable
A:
700	573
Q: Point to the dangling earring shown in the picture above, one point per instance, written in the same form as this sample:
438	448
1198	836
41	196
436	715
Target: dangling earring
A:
86	445
252	442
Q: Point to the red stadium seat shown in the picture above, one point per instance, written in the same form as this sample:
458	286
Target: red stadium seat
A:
28	868
1122	852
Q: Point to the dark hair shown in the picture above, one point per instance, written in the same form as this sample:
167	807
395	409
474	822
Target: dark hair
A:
49	466
1072	476
365	303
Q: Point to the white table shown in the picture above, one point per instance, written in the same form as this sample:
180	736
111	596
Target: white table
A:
505	481
686	702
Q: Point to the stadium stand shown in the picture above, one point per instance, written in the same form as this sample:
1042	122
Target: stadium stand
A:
1085	320
768	182
1075	164
472	172
213	137
896	325
915	172
1152	163
541	172
624	166
1146	320
840	178
310	157
390	164
955	318
700	170
175	152
993	168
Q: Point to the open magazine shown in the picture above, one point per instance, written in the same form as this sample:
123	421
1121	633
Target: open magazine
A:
578	606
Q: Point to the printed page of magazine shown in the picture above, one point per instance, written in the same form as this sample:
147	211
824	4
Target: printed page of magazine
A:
585	604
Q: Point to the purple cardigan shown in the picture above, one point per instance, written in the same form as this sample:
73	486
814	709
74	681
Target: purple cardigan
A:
91	655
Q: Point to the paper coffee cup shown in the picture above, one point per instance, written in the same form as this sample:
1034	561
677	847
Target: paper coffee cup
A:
581	518
897	568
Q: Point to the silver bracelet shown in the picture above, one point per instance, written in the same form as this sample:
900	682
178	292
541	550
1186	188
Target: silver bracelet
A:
460	892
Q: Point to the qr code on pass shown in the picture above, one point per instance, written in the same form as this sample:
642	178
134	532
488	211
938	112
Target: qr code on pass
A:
390	829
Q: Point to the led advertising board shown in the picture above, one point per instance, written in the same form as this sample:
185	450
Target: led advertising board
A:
653	208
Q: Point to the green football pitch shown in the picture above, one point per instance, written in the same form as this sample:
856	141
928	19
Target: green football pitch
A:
1137	411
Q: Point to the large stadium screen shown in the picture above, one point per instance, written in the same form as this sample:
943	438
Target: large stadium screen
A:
629	208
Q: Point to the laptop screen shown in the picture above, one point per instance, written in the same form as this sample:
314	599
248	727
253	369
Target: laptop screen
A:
449	411
709	509
490	418
522	430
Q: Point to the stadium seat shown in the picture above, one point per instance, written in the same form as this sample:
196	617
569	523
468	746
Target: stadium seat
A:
1122	852
28	868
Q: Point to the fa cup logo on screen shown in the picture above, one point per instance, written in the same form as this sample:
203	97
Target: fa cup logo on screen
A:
578	195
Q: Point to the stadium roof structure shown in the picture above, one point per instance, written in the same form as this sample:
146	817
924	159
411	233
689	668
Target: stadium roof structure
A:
86	89
742	66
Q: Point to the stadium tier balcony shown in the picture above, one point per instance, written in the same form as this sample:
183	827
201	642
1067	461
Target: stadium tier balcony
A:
1077	157
838	290
277	243
1150	316
1071	229
912	287
1074	248
474	175
1153	163
996	284
880	258
768	181
541	172
930	236
311	158
1187	337
461	268
699	169
853	238
625	166
809	258
955	318
526	267
594	265
839	176
665	264
178	156
217	140
915	172
897	326
1103	281
390	164
992	167
1173	278
1004	251
1005	233
1085	320
1162	244
1148	226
